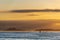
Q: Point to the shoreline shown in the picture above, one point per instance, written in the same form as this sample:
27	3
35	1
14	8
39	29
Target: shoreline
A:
29	31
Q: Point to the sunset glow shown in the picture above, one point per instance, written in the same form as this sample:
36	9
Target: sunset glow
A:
30	16
57	24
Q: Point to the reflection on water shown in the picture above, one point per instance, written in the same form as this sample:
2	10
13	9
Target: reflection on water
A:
30	35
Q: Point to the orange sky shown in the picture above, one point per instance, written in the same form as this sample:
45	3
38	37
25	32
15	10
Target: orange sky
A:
28	16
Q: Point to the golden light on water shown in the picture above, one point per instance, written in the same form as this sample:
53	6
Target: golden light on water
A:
57	24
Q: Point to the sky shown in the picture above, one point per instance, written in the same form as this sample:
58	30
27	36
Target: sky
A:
29	4
30	16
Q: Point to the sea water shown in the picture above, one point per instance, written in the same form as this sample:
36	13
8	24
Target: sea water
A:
29	35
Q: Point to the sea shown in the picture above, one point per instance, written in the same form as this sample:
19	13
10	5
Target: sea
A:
44	35
30	35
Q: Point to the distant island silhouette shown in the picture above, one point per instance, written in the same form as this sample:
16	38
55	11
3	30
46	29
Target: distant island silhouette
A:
44	10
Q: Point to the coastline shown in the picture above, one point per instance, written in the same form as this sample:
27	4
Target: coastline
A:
29	31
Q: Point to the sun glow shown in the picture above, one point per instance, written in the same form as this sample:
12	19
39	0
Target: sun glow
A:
57	24
30	16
